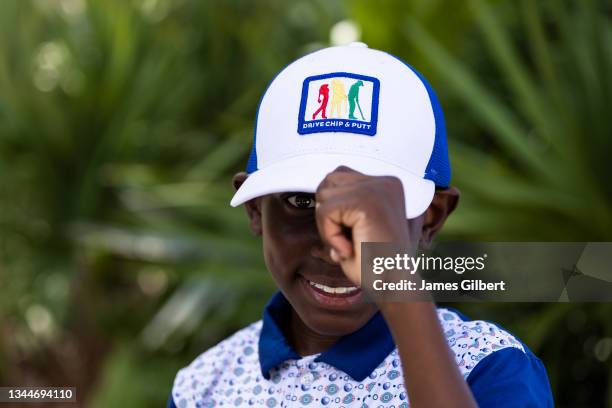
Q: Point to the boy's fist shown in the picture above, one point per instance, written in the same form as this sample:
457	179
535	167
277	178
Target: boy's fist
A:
352	208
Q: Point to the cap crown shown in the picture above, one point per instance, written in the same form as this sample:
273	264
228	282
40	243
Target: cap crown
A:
352	100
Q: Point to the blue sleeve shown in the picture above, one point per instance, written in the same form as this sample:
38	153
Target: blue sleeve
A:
170	402
510	378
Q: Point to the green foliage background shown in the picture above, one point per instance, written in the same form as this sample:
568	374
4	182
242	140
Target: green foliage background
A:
122	121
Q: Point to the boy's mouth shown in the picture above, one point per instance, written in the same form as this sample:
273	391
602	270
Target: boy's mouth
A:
328	290
331	296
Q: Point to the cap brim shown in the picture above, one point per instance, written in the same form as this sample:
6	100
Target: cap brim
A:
305	173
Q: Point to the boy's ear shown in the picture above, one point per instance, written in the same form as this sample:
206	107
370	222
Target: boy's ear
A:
443	204
252	207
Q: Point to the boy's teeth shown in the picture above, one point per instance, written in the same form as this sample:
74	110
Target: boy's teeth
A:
329	289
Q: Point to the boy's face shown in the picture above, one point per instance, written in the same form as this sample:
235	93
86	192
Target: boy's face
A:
297	259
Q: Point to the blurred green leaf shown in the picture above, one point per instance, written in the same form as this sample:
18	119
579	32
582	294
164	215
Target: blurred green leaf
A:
122	122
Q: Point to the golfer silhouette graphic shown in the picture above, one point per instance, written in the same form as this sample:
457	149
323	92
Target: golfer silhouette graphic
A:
323	98
338	99
353	97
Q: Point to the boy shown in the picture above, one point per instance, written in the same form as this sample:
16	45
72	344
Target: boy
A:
315	189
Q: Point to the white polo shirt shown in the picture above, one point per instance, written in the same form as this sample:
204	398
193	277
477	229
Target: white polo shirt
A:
257	367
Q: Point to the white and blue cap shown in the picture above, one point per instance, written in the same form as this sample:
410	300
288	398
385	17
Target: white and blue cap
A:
352	106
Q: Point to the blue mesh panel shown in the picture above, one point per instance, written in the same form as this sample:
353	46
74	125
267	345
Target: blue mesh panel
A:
438	168
252	163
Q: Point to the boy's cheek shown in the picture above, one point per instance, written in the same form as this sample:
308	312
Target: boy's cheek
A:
281	262
290	233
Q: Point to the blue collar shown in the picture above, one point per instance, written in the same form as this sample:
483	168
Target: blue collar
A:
356	354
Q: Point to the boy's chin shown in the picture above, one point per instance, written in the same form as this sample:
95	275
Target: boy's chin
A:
337	324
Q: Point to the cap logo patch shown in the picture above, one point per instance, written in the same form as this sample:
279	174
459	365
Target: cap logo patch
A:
339	102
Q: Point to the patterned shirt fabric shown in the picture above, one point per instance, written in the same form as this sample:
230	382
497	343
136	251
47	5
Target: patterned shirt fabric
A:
257	367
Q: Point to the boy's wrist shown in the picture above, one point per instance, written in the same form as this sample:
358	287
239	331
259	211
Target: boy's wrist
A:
404	310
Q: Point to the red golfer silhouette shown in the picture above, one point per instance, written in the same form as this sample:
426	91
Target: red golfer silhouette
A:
323	98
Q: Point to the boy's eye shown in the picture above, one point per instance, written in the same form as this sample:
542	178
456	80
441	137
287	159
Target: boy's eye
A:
301	201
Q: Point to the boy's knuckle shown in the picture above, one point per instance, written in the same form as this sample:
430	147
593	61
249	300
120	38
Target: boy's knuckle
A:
323	193
331	179
324	184
392	183
343	169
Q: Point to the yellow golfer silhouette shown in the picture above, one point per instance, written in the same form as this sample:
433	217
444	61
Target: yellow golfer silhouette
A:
338	99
